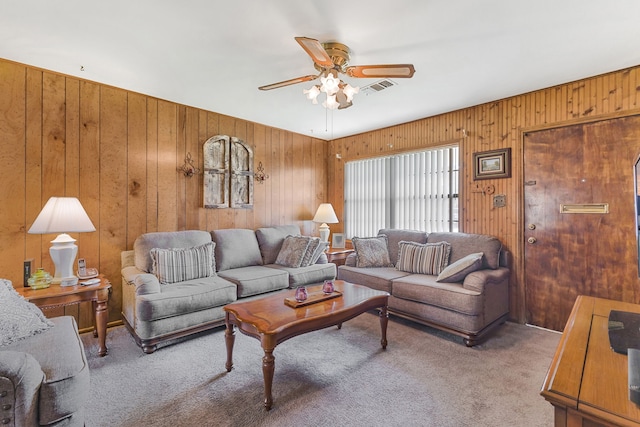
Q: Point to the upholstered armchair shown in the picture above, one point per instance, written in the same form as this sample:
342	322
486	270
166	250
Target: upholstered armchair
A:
44	374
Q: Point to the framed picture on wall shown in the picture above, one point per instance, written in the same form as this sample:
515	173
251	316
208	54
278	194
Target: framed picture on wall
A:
337	241
492	164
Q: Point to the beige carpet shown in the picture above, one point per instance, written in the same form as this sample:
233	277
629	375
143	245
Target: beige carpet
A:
327	378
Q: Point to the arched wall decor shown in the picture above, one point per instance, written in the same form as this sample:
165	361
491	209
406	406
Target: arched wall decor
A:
228	173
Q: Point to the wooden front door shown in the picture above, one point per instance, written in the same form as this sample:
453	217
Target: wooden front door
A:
570	254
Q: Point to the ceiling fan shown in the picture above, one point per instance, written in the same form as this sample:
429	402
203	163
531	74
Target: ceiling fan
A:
332	58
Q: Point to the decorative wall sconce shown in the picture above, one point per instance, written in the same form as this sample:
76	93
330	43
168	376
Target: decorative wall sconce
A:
189	169
259	175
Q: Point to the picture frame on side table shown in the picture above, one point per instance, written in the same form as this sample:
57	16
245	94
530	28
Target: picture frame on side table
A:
492	164
337	241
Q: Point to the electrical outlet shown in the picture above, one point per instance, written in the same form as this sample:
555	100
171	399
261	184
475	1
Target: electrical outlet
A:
499	201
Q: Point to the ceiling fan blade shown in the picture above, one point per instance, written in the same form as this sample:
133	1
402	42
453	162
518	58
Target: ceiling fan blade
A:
373	71
288	82
315	50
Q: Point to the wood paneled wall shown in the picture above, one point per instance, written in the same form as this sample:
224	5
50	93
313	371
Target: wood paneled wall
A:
118	152
490	126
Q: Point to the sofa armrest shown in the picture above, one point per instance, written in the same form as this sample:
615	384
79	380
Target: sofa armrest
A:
350	261
130	273
322	259
20	377
478	280
146	284
127	259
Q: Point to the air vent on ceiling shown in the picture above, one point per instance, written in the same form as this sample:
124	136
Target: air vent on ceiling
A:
377	86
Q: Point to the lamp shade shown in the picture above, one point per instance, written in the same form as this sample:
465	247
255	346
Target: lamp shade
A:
325	214
62	215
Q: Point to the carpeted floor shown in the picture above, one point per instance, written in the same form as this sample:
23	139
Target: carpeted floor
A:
327	378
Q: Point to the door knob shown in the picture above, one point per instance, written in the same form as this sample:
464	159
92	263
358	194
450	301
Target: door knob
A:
532	226
531	240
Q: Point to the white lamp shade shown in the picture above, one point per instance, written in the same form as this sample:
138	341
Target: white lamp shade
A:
325	214
62	215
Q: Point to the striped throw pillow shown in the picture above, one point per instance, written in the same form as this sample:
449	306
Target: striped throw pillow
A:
180	264
428	258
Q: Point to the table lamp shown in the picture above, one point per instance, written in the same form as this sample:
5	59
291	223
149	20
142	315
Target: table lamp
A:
326	215
63	215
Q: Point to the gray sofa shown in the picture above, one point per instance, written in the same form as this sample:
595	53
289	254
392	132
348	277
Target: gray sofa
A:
469	299
44	378
246	263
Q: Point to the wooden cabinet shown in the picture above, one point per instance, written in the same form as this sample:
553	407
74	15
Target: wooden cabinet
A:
587	381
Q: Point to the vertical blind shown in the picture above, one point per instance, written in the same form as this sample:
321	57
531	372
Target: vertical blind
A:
416	191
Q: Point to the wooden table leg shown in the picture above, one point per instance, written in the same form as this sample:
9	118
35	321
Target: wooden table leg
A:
101	314
384	319
229	338
268	367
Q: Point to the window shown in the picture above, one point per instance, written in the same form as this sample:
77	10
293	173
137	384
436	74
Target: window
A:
416	191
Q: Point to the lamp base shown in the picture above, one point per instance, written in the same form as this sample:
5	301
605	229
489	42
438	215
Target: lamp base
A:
324	233
63	253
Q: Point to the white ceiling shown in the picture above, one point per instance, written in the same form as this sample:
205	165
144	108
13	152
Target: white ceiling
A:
214	54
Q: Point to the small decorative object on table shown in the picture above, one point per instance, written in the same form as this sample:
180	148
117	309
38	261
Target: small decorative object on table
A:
314	295
327	287
301	294
40	279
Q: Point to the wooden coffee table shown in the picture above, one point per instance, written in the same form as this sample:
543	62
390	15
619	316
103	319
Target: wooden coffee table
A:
271	321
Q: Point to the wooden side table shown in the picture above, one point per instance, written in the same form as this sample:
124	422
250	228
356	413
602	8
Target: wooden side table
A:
338	256
59	296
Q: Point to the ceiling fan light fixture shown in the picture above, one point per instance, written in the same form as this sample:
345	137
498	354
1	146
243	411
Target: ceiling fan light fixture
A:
330	83
349	91
331	103
312	93
330	59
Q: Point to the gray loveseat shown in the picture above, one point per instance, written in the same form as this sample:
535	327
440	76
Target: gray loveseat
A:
469	299
245	263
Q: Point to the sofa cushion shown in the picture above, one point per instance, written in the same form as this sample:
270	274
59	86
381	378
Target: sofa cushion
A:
457	271
257	279
176	299
371	251
311	274
394	237
180	264
463	244
60	353
452	296
236	247
19	319
376	278
165	239
270	240
293	250
427	258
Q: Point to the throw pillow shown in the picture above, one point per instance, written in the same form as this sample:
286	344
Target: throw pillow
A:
292	251
457	271
311	252
428	258
371	251
180	264
19	318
